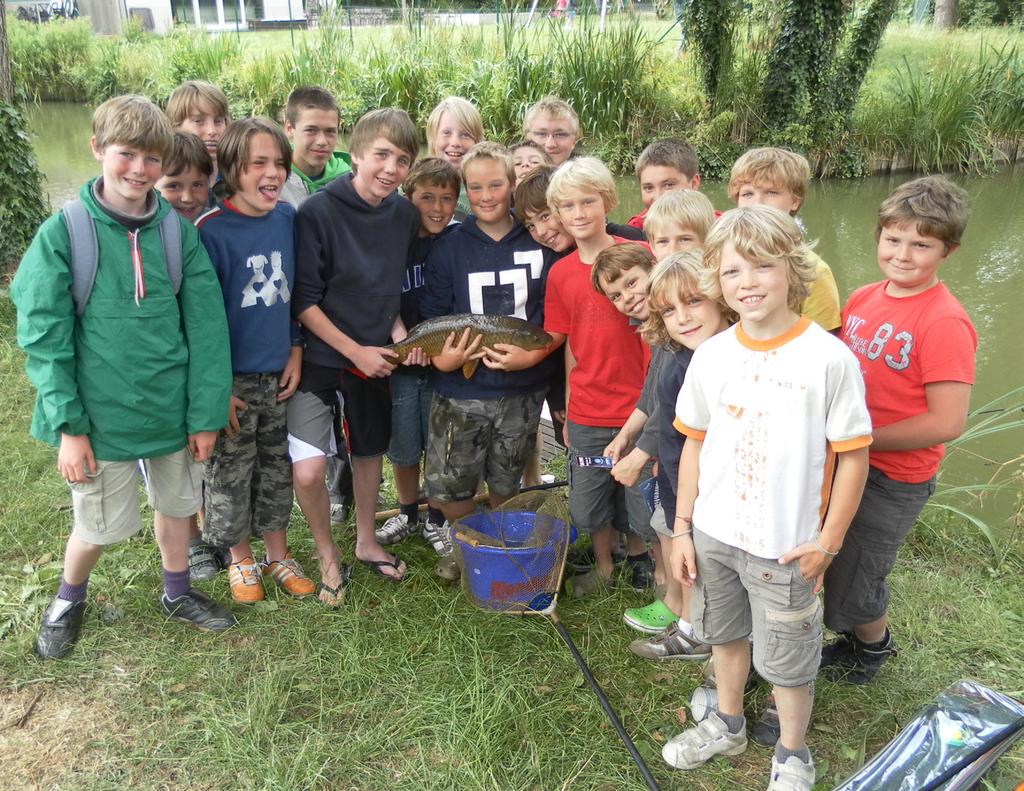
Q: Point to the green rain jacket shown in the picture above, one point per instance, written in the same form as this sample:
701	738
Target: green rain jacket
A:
137	379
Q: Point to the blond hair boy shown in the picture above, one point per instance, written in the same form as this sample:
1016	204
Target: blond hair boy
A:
605	361
553	124
201	108
748	529
778	177
678	221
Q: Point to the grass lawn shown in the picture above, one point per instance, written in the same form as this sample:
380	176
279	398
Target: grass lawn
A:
407	686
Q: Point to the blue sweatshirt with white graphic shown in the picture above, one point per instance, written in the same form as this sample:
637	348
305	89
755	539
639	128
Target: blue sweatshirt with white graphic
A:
469	272
254	258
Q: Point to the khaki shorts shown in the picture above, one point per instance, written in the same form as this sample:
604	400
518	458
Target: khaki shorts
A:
106	506
738	594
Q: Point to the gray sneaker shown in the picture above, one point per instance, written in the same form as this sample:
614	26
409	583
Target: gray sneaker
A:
697	745
793	775
396	529
339	513
671	643
203	563
439	537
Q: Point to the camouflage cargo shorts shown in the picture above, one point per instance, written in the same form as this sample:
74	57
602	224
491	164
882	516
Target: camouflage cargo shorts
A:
472	439
249	476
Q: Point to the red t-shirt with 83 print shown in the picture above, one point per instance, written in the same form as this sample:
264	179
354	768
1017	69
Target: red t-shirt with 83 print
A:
903	344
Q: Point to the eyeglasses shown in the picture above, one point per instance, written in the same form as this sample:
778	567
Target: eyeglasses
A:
558	137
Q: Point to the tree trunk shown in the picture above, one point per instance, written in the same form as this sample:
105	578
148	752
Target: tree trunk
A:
6	92
945	14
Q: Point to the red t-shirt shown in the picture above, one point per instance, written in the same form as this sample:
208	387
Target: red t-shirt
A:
902	345
611	360
638	220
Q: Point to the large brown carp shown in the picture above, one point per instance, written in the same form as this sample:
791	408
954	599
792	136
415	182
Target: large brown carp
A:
431	334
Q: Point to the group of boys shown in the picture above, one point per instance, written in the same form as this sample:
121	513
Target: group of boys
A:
241	335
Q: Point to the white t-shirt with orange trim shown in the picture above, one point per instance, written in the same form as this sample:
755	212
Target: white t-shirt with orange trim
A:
772	415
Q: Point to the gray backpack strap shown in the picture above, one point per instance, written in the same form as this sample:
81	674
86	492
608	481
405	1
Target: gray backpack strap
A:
170	235
84	252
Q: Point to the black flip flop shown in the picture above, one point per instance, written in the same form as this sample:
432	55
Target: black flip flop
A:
337	592
376	565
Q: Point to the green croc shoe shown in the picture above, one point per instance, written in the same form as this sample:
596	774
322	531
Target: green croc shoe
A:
651	619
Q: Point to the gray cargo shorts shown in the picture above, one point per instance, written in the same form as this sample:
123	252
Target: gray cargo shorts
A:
738	594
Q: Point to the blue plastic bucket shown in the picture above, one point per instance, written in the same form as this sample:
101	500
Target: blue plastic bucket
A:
513	576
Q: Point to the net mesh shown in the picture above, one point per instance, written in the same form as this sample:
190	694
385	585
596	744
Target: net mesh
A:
513	557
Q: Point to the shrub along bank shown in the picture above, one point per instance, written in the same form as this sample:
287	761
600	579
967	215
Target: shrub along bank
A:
933	100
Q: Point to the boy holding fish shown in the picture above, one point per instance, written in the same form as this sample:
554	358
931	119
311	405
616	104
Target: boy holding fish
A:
483	424
433	186
353	238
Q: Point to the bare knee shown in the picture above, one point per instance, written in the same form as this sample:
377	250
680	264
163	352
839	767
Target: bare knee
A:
308	474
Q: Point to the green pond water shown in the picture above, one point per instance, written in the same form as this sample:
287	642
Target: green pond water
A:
986	274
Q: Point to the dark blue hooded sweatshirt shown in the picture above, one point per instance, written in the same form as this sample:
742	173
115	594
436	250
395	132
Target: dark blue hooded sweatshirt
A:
469	272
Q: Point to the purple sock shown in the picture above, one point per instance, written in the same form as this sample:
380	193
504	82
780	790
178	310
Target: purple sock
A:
72	593
175	583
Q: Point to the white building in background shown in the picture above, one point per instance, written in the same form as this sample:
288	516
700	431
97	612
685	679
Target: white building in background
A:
160	16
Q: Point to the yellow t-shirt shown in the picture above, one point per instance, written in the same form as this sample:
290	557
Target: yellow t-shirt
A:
822	304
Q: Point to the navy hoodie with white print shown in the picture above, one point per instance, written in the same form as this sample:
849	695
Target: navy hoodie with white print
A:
469	272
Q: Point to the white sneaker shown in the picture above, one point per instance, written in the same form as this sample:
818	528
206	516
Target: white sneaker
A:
395	529
439	537
793	775
697	745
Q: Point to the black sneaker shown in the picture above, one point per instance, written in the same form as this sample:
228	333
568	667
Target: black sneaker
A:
580	560
767	730
838	652
855	662
641	572
199	610
223	555
56	637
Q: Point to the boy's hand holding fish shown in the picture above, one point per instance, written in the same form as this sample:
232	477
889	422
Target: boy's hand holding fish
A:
508	357
502	342
455	355
374	361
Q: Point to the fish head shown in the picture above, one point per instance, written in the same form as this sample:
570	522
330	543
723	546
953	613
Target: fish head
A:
533	337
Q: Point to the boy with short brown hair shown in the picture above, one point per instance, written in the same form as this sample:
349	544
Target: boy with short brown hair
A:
916	346
433	186
665	165
311	121
352	243
185	183
134	366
